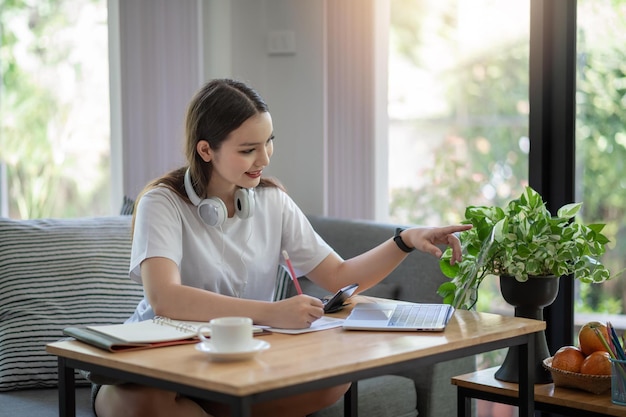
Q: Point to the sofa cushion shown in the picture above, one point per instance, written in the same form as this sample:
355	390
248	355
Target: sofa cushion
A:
55	273
382	396
42	403
416	279
128	206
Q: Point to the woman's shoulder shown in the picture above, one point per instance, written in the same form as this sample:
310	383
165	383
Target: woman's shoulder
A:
271	195
161	197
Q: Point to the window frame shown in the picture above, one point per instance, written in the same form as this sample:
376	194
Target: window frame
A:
552	89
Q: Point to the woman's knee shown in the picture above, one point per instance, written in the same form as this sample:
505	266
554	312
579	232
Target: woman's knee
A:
130	400
330	396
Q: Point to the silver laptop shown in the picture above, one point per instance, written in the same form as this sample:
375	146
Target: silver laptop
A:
399	317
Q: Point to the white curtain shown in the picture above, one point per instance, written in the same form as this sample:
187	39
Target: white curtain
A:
356	87
160	67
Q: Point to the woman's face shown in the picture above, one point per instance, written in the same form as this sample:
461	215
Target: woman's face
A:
243	155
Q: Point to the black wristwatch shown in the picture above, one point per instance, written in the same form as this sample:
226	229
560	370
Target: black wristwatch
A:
398	239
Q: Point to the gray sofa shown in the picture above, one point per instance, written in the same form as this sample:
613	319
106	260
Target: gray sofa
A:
60	272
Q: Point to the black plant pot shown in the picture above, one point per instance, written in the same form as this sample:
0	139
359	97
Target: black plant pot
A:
529	298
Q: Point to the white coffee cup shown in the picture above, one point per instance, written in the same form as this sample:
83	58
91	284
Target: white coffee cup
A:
229	334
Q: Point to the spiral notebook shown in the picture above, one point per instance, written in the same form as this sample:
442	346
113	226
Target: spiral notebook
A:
157	332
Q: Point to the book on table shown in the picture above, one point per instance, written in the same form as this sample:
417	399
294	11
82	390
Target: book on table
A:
157	332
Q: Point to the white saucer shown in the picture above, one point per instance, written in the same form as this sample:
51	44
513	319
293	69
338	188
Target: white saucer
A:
257	346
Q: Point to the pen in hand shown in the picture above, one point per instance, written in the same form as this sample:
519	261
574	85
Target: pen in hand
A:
292	273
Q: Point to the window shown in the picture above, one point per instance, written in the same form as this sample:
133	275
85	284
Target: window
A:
458	113
458	107
459	122
601	148
54	102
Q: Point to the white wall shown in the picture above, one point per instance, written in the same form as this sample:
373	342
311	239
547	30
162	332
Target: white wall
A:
291	84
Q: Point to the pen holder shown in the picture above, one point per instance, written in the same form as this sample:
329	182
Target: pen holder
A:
618	381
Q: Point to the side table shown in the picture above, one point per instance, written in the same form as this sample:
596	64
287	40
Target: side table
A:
572	402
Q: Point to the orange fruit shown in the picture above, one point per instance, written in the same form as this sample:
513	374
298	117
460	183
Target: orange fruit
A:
589	341
597	363
568	358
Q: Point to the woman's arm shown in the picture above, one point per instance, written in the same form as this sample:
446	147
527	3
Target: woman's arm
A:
371	267
169	298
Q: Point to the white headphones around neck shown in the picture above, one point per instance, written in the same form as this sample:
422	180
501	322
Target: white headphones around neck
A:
213	211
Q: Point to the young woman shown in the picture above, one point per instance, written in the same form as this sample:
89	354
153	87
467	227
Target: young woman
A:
208	239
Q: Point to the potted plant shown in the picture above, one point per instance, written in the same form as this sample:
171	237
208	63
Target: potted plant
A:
529	249
523	240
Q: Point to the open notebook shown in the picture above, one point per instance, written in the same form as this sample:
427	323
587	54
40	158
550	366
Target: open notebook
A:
156	332
399	317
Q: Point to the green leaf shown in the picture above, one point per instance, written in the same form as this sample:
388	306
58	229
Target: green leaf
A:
448	270
446	288
569	210
498	234
596	227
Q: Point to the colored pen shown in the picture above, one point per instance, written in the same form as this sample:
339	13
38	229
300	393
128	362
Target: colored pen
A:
292	272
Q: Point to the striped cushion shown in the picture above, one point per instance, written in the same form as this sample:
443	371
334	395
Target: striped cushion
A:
128	206
55	273
283	283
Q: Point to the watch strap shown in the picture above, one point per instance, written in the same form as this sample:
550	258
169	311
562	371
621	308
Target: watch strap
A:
398	239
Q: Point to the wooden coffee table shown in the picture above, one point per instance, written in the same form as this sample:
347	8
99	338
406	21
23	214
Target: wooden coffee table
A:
567	401
301	363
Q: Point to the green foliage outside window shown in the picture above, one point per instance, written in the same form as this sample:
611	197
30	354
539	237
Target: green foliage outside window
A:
601	138
56	157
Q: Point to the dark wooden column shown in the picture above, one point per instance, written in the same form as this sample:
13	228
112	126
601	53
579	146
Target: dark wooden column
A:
552	131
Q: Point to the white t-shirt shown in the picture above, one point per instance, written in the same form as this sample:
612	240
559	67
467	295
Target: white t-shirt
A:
240	259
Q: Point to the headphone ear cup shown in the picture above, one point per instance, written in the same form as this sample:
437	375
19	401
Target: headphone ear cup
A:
213	211
244	203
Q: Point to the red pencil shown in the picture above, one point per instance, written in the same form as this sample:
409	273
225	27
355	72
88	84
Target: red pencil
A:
292	272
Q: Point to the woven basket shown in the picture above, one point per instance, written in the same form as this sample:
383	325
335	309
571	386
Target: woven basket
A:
597	384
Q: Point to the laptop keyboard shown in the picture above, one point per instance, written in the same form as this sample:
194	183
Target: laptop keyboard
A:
414	315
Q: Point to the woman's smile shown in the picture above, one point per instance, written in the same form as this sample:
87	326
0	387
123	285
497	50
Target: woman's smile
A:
254	174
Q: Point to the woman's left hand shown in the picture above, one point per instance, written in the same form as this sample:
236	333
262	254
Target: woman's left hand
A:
426	239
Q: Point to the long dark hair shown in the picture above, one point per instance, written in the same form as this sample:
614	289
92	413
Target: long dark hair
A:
218	108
